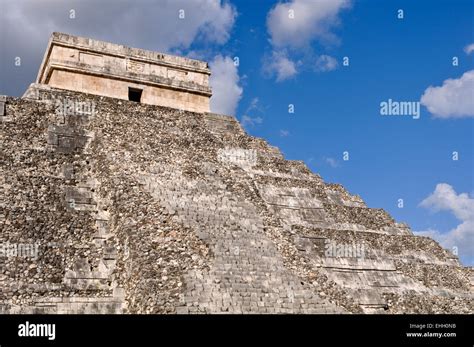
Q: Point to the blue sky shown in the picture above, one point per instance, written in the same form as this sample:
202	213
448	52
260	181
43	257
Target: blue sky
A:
337	108
337	111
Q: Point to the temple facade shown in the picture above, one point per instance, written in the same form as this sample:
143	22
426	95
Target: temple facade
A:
102	68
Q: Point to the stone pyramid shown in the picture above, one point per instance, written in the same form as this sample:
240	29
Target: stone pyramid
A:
139	208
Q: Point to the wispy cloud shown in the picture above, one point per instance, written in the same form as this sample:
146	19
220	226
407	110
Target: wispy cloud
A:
469	48
325	63
332	162
254	105
247	120
253	114
293	26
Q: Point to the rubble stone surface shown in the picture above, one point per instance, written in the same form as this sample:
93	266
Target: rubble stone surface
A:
140	208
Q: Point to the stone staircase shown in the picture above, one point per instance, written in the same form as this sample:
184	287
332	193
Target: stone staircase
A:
247	274
67	135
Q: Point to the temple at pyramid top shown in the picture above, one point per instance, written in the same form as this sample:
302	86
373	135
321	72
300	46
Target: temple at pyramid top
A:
103	68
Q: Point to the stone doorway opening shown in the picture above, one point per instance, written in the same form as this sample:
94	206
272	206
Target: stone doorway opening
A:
135	94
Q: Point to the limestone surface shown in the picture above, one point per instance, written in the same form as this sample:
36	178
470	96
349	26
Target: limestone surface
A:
103	68
134	208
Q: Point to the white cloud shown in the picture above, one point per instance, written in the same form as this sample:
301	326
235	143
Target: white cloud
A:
325	63
284	133
312	20
224	81
454	99
444	198
280	65
469	48
154	25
